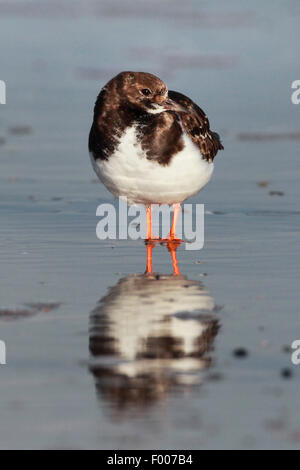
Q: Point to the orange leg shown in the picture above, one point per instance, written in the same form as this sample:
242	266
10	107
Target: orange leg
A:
172	247
149	269
172	234
176	208
149	222
150	236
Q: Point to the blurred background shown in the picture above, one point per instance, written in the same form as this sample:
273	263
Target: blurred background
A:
77	374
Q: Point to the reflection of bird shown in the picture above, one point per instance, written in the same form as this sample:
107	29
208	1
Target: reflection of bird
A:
148	335
149	145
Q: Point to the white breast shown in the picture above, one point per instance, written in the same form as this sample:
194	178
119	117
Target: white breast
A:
129	174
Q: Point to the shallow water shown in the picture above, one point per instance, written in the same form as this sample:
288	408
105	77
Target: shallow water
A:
125	361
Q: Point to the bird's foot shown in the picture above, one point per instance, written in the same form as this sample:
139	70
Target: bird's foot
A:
171	239
152	240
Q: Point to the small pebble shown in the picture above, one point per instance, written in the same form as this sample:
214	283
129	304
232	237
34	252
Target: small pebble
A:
241	353
262	184
286	373
276	193
20	130
216	376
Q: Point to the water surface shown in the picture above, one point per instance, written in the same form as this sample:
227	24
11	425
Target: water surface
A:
123	360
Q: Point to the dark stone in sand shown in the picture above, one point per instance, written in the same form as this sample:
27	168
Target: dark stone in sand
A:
262	184
240	353
43	307
216	377
7	314
32	309
286	373
20	130
276	193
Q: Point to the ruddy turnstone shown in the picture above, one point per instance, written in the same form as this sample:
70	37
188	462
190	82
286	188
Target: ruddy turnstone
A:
150	145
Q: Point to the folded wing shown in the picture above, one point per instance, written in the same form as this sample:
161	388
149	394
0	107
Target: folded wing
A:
196	124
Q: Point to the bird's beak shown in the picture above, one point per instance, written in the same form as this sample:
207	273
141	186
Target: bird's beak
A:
170	105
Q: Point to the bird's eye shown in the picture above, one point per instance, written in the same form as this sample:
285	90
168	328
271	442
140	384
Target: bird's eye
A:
146	91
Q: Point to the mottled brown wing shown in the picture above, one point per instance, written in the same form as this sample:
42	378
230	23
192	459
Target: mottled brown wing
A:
196	124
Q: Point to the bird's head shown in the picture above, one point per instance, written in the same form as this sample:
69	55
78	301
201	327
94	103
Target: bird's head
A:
143	92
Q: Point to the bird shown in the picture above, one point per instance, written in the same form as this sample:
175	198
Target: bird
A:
150	145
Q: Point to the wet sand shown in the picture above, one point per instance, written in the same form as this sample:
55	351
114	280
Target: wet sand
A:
98	355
